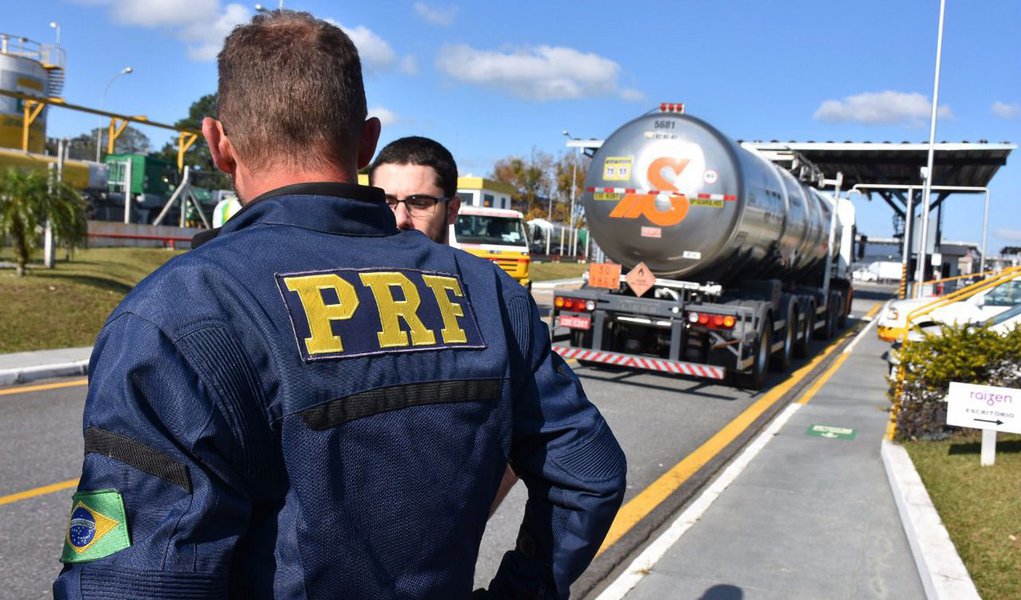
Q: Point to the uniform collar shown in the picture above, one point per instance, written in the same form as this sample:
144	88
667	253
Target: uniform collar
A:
329	207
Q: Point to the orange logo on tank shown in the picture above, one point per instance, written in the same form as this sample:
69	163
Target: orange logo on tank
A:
632	206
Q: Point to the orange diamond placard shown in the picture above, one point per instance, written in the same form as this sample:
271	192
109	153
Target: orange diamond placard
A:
604	275
640	279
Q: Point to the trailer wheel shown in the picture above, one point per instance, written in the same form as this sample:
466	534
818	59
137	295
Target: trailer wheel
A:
844	308
756	379
805	325
831	320
781	361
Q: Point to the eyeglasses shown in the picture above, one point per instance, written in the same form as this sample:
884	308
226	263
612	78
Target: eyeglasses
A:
418	205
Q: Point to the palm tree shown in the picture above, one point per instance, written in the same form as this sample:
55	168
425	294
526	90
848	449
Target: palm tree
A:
27	201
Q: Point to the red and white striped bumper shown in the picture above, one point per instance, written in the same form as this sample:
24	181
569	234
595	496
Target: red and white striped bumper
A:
642	362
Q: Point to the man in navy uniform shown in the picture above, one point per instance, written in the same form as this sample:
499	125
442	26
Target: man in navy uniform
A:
313	404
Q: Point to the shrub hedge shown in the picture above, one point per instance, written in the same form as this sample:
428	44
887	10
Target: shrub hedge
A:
964	354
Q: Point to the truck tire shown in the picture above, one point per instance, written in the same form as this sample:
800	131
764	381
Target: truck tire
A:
842	309
781	361
756	378
805	324
831	320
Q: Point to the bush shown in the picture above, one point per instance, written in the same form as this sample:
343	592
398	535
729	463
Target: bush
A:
964	354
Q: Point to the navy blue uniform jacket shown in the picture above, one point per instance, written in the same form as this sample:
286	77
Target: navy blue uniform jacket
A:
314	405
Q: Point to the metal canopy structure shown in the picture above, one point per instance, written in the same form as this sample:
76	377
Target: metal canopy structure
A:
895	172
963	164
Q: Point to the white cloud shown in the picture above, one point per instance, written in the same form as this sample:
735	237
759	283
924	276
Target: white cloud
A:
442	16
376	53
409	66
205	40
632	95
385	115
880	108
542	73
1013	235
201	24
164	13
1006	111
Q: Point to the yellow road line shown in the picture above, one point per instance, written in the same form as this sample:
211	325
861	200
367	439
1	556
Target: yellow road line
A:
46	386
810	393
39	491
818	383
648	499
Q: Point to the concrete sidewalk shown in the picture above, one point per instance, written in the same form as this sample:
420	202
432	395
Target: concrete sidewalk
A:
817	506
24	367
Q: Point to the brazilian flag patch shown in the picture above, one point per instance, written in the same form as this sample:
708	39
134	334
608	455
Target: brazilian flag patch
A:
98	526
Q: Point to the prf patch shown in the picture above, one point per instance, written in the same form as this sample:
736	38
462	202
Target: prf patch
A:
98	526
345	312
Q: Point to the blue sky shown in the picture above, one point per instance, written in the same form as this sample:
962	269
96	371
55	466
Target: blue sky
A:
492	79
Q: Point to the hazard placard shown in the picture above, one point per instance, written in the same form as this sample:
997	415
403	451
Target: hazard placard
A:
604	275
640	279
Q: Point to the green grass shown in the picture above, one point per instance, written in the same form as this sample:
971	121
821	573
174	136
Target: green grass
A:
980	506
546	271
66	306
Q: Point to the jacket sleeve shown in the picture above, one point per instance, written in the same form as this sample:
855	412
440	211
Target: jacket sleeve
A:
166	489
569	460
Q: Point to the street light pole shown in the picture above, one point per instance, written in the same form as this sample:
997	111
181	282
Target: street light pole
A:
55	25
574	185
102	104
927	181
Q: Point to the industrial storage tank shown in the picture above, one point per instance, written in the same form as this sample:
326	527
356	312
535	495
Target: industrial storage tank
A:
30	68
81	175
672	191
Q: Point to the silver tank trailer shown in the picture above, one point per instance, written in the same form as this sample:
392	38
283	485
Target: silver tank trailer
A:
673	192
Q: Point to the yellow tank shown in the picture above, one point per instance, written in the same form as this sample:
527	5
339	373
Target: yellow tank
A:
31	68
79	174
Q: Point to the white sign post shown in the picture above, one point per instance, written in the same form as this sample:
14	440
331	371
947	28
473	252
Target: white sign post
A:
984	407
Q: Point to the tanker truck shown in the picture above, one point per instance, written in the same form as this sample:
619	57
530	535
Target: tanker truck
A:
723	264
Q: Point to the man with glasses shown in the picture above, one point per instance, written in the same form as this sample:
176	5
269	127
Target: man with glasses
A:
314	404
419	177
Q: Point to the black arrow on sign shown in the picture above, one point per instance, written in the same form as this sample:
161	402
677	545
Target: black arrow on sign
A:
997	421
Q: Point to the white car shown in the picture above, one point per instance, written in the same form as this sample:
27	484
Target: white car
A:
864	275
1002	323
979	307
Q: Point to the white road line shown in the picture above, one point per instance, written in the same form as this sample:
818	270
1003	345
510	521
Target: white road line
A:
642	565
860	335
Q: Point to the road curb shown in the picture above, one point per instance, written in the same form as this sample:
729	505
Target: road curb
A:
943	574
554	283
27	374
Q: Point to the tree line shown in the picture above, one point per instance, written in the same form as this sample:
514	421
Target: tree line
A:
542	181
29	199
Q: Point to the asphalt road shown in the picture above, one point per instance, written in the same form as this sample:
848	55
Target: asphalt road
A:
659	421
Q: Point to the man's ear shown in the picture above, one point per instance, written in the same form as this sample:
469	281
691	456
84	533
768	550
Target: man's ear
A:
453	206
367	144
220	148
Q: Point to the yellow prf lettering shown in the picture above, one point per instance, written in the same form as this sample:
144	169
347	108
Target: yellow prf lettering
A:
390	310
318	313
452	332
